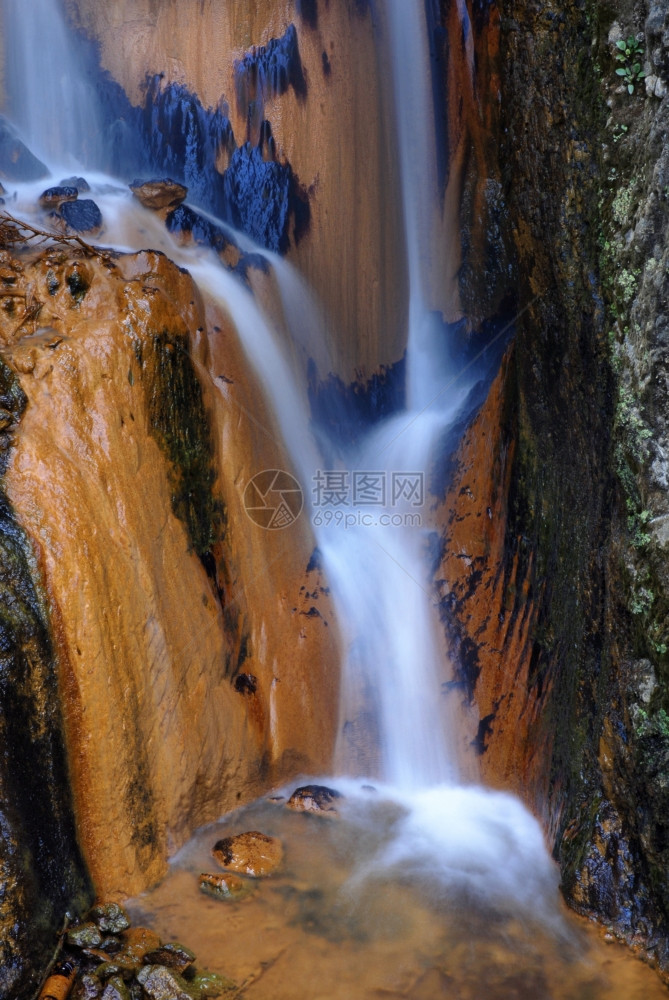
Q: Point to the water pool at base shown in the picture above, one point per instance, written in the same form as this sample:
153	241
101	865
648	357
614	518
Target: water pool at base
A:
369	905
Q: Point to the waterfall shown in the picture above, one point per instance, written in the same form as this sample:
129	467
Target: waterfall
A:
369	503
50	99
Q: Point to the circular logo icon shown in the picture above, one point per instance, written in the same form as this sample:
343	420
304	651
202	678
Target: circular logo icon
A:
273	499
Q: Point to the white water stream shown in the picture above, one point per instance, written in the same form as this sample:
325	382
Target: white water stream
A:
454	843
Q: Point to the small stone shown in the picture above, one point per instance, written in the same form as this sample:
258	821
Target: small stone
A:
82	216
84	936
111	918
226	887
80	183
116	990
650	82
160	983
660	88
210	984
314	799
55	196
87	987
137	941
172	955
108	969
250	853
159	194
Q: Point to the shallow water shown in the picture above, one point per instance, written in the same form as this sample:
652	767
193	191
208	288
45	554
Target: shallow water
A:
357	910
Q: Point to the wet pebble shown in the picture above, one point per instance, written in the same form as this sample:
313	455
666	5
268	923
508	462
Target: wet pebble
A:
250	853
315	799
157	194
226	887
161	983
84	936
53	197
111	918
82	216
172	955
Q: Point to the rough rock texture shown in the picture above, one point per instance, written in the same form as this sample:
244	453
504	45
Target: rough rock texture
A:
553	570
334	151
126	473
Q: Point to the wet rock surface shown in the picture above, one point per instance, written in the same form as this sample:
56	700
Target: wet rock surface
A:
135	964
315	799
81	216
252	853
159	194
17	163
53	197
226	887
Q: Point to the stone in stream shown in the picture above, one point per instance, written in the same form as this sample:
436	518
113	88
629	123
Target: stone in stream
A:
172	955
80	183
250	853
82	216
53	197
160	983
226	887
315	799
84	936
157	194
116	990
111	918
17	163
87	987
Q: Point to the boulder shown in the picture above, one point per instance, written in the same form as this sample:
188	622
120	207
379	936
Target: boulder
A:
17	163
53	197
80	183
82	216
315	799
250	853
157	194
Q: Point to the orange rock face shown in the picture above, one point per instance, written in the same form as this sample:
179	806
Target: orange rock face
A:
160	738
490	612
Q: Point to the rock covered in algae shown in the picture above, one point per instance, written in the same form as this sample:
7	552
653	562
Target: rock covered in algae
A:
227	887
84	936
250	853
315	799
116	989
111	918
87	987
157	194
172	955
161	983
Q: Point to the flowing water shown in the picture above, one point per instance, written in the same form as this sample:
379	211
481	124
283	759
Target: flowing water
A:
422	888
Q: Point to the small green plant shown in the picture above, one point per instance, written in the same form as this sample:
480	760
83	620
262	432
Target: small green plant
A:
628	54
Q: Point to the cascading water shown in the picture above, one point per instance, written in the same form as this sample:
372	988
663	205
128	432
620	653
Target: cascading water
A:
422	880
50	100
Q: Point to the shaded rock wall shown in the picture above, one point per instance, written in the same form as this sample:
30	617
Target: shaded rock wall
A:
553	573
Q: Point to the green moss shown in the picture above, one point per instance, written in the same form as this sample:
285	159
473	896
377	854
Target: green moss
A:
179	423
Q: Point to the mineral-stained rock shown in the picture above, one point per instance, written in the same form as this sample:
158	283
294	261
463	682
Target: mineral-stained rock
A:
87	987
17	163
84	936
136	943
55	196
186	224
210	984
227	887
157	194
116	990
110	918
172	955
250	853
160	983
82	216
314	799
